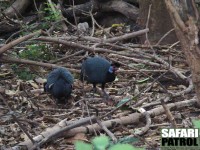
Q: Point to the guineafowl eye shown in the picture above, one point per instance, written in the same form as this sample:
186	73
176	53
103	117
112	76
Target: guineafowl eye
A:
59	84
98	70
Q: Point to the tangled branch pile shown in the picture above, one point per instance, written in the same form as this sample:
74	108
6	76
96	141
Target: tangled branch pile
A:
149	74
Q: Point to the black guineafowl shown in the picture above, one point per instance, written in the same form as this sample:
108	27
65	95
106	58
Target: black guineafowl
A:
59	84
98	70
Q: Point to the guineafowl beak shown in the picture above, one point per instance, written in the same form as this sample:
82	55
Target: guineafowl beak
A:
117	69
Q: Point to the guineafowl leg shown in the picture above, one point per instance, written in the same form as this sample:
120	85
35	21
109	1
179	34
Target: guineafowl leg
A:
94	90
105	95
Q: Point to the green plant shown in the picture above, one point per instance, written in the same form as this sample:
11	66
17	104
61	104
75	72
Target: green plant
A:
124	147
47	15
196	123
4	5
22	72
103	143
27	28
37	52
50	14
79	145
100	143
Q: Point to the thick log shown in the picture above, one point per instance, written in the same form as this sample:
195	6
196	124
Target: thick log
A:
159	22
122	7
17	8
8	27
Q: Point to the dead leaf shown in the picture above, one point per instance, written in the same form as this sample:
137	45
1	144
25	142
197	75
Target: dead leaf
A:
33	84
79	136
11	92
40	80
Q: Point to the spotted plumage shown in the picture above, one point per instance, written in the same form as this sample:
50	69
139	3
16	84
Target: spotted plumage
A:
98	70
59	84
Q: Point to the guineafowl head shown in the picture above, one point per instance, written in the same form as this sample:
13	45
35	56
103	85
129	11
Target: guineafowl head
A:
114	67
111	74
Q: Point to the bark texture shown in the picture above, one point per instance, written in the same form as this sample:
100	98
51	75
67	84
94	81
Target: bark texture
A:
17	8
159	22
186	26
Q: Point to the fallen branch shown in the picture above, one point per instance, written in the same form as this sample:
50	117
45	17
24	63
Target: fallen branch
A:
110	134
55	131
130	119
86	48
30	62
110	40
127	36
17	41
68	56
169	114
148	122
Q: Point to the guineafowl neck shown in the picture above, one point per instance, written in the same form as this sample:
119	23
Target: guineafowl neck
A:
110	77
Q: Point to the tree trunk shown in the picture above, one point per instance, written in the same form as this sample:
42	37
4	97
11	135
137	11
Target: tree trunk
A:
186	28
17	8
159	22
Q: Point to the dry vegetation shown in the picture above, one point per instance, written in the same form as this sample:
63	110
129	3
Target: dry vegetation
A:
145	78
149	74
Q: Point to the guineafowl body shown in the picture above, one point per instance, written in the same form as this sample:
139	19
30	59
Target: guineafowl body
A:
95	69
98	70
59	83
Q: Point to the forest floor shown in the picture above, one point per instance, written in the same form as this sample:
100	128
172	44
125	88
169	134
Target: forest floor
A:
148	74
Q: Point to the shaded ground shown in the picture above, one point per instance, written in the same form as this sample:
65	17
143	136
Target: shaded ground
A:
144	78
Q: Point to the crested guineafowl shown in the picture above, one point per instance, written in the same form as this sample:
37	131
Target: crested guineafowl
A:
98	70
59	84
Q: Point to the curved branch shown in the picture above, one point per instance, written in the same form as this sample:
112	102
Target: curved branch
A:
17	41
